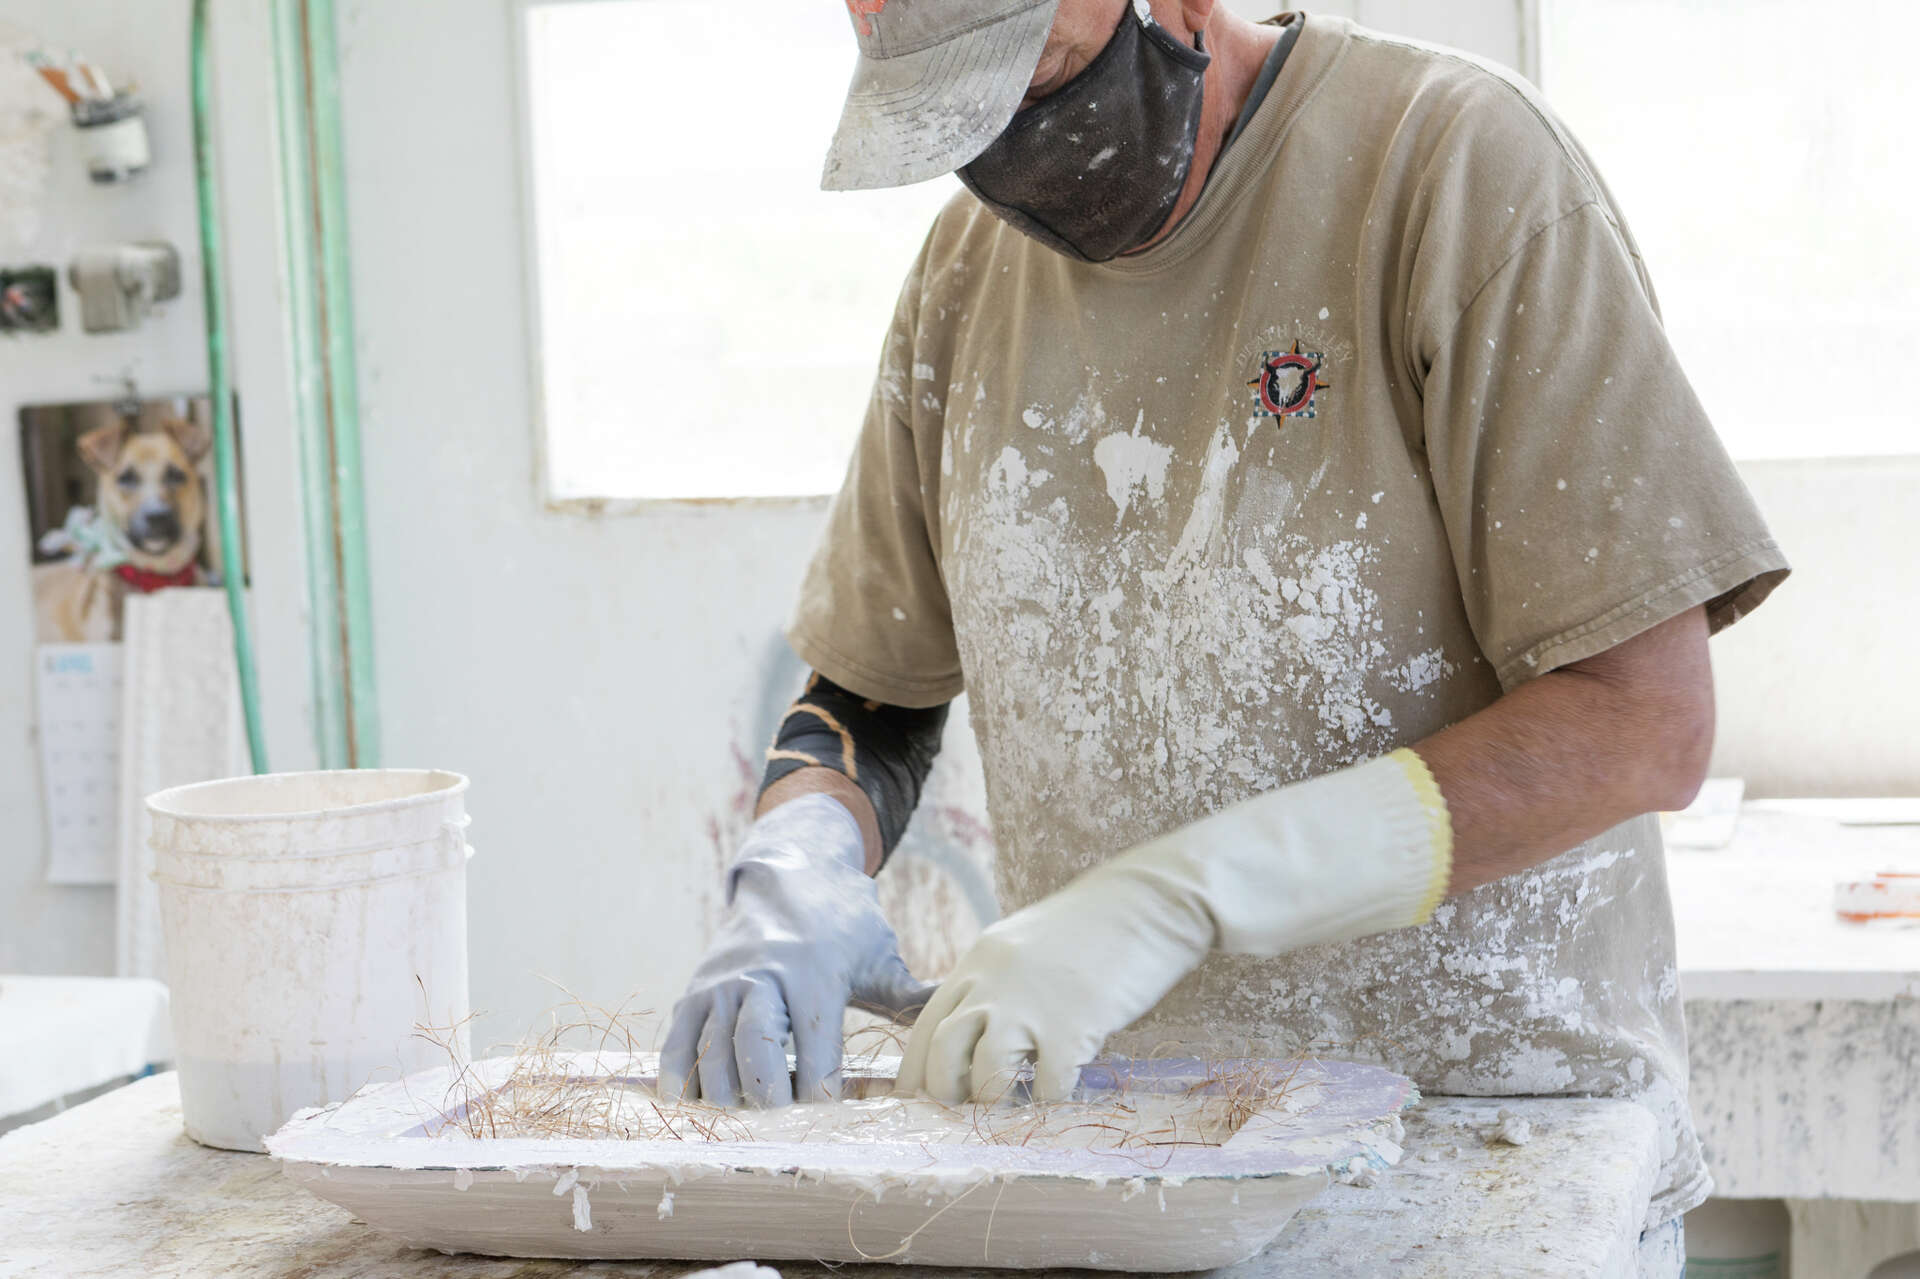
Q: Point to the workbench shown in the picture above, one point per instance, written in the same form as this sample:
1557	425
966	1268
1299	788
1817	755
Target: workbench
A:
65	1035
115	1188
1804	1031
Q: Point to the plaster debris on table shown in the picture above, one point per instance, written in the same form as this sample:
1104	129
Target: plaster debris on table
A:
1359	1172
1510	1130
736	1270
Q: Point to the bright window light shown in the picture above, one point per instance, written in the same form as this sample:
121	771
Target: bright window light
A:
1763	152
710	320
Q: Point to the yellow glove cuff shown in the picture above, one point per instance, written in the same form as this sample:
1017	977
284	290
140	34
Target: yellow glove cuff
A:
1439	828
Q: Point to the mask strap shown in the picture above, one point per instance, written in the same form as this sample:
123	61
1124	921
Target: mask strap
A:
1143	11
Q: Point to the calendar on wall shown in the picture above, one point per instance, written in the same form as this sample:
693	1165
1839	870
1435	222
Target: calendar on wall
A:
79	714
119	507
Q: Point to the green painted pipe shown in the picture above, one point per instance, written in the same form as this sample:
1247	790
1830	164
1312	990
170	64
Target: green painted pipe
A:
326	382
226	479
327	673
343	397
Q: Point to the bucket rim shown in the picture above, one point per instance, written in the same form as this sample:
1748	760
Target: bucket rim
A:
164	881
458	826
162	803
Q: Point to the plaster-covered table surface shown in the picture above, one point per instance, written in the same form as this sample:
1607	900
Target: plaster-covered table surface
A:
114	1187
63	1035
1803	1030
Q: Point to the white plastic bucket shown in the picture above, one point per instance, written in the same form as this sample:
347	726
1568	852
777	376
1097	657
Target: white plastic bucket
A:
312	921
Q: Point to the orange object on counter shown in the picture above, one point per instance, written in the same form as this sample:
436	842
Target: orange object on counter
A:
1891	894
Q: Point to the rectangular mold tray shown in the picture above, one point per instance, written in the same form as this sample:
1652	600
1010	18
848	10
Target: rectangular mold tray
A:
380	1155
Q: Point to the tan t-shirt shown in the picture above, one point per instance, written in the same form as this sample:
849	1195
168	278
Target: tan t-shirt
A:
1388	425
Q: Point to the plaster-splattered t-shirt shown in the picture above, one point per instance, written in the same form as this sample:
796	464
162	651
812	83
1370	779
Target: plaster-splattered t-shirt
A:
1388	425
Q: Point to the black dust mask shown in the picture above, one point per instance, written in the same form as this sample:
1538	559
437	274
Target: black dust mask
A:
1094	169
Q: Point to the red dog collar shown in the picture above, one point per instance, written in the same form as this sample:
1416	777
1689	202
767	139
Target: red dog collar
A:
146	582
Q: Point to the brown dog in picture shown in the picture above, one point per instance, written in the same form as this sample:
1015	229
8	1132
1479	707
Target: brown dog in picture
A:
150	508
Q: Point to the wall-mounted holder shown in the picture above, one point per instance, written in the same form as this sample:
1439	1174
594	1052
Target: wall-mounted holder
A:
113	136
29	300
119	285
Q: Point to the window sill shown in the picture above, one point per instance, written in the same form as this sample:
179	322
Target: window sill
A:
601	507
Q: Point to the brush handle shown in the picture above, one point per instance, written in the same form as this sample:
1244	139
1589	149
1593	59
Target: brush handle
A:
58	79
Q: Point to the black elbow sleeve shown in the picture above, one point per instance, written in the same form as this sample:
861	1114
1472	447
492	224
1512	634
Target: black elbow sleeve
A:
887	751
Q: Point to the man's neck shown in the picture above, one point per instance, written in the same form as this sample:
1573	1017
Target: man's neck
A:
1239	48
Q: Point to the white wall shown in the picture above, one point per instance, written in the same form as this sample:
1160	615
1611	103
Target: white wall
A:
51	929
608	682
1818	690
602	725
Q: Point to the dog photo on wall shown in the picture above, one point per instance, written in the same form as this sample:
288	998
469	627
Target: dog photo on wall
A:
119	502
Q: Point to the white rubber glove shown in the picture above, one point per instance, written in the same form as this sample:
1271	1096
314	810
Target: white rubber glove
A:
1356	852
802	938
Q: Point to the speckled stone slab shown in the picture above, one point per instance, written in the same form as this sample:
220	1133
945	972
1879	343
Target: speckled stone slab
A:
1808	1099
1803	1031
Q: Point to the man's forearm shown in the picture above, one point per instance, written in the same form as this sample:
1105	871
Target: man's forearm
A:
1349	854
1577	751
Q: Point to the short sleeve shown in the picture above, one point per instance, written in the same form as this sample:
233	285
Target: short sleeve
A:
873	615
1585	494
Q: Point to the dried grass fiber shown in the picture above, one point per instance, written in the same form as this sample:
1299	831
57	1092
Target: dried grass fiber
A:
547	1094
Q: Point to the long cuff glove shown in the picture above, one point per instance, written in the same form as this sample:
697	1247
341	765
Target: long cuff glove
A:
1353	853
802	938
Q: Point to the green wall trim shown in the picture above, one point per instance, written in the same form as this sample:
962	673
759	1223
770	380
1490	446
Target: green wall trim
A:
234	559
326	391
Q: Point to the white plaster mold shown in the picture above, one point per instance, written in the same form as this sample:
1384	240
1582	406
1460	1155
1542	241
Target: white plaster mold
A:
383	1155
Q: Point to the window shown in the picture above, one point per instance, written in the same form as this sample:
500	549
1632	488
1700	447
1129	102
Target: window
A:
1762	152
710	320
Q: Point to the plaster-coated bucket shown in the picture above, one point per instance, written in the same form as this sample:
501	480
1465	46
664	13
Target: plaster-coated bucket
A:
312	921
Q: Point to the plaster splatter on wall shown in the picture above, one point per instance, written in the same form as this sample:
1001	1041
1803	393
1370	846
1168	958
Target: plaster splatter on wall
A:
29	111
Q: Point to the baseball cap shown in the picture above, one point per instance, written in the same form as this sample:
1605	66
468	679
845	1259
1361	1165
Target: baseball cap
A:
936	82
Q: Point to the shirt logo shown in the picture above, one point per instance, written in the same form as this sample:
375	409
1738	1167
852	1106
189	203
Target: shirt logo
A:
1288	383
864	9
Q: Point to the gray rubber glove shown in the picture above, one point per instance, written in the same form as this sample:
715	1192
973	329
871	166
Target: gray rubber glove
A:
803	937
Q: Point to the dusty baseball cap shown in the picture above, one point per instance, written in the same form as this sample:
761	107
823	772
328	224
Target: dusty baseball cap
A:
936	82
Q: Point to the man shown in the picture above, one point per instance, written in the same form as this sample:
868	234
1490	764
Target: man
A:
1279	443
